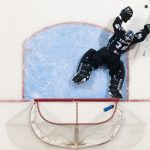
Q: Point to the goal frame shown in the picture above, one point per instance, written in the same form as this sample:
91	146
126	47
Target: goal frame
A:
76	125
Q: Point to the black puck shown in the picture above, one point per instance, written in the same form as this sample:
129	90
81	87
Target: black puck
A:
146	6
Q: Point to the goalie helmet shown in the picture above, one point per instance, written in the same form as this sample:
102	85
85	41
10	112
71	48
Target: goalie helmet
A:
129	35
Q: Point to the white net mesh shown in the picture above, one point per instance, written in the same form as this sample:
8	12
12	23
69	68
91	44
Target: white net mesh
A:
75	124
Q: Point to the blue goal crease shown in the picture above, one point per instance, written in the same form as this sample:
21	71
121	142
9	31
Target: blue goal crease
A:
51	58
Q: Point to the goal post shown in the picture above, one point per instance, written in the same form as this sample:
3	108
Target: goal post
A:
75	123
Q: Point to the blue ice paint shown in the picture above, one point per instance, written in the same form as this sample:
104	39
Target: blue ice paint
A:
51	57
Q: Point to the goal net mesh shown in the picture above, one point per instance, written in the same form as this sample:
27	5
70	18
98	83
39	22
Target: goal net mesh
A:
75	123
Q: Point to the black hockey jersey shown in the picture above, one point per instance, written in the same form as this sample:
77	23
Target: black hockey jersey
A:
117	43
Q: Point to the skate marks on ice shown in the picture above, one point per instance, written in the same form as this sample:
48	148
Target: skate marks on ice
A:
51	57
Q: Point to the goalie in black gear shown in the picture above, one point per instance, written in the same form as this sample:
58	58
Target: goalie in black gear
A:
109	55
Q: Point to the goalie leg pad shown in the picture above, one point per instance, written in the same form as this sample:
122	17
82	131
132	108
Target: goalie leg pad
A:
83	74
86	65
90	57
117	79
86	58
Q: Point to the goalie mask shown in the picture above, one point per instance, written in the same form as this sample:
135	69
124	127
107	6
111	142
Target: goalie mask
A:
129	35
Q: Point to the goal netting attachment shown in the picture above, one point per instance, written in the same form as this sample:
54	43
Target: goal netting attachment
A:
75	123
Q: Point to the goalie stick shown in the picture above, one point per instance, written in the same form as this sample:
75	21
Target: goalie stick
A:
147	42
141	49
146	45
148	37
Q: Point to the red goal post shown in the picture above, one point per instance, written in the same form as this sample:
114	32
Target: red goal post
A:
75	123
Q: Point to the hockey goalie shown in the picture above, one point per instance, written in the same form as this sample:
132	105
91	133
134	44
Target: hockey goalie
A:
118	44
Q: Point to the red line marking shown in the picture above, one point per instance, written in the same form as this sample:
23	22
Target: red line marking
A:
76	100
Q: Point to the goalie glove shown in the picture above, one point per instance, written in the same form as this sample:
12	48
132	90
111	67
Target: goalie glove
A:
147	28
126	14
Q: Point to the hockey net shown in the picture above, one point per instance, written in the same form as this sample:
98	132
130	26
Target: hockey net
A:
75	123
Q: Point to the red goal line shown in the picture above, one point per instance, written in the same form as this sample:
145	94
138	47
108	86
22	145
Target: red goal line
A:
88	100
74	100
